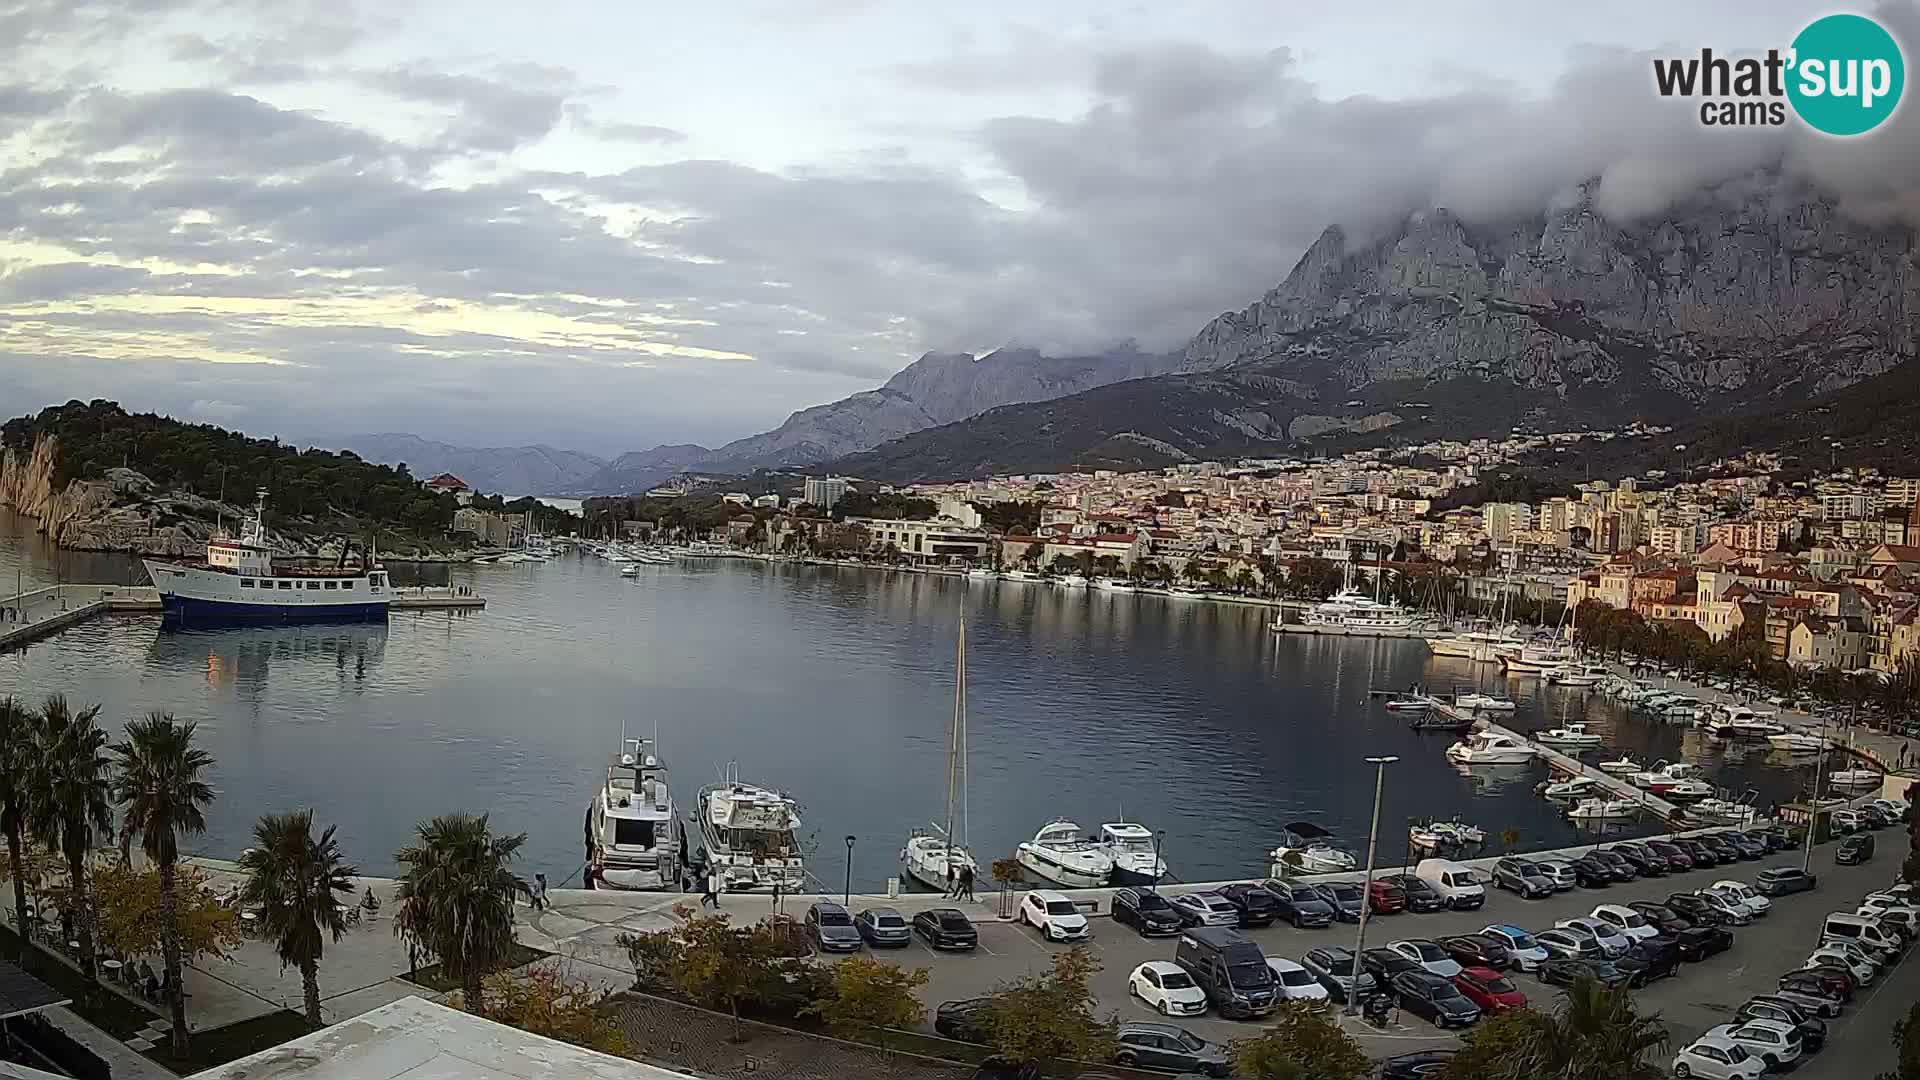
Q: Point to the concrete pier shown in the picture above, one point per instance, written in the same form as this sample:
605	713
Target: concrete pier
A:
1573	766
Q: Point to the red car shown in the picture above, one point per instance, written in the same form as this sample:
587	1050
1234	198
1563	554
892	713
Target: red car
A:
1489	989
1385	898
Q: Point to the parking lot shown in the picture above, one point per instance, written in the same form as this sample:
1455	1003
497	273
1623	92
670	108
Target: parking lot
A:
1699	997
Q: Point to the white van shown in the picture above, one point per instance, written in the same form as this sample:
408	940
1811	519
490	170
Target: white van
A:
1862	930
1458	887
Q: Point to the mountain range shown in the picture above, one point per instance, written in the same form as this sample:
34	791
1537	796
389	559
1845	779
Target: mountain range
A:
1748	299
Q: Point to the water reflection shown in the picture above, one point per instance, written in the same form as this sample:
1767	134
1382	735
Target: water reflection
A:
242	658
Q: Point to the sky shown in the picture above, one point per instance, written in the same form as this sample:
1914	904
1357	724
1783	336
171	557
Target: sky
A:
605	226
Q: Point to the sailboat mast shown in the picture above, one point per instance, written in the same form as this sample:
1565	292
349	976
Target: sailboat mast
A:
961	740
953	733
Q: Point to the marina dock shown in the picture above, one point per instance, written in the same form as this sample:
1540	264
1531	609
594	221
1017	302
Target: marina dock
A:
1572	766
40	613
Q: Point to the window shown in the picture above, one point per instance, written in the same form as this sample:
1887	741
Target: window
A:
626	831
286	584
346	584
246	583
314	585
332	584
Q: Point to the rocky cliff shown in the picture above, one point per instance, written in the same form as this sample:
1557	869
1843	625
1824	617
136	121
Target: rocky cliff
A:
122	512
1752	296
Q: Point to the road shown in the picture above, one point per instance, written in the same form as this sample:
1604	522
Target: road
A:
1701	996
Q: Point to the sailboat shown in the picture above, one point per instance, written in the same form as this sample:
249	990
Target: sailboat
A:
932	858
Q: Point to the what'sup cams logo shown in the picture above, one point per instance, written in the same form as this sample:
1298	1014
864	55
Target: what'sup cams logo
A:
1842	76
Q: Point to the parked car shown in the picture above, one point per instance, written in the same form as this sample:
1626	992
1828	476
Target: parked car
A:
1723	848
1714	1057
1703	857
1333	966
1678	858
1612	942
1702	941
1342	898
1054	915
1781	880
1421	897
1854	849
1847	821
1256	905
1477	950
946	928
1625	921
1660	916
1230	968
1591	873
1522	876
1428	954
1147	912
1568	972
1739	891
1828	980
1644	862
1296	983
1419	1065
883	928
1650	959
1490	991
1205	909
1622	869
1164	1046
1809	994
1558	872
1848	958
1733	912
1301	905
1695	908
1813	1032
832	928
1566	945
1774	1043
1166	987
1750	847
1775	837
965	1019
1435	998
1383	964
1386	898
1523	952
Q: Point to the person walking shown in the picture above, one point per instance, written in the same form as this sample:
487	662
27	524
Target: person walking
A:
952	883
537	893
966	883
712	895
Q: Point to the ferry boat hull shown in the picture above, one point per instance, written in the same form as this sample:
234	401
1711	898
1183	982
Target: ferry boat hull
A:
192	596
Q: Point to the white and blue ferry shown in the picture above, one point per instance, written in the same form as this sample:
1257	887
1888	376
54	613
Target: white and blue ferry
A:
238	583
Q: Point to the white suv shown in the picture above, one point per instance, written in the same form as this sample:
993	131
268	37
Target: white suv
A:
1774	1042
1056	917
1755	904
1626	920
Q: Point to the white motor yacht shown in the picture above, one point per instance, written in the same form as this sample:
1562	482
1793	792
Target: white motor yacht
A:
1623	765
1538	660
1478	645
637	837
1604	809
1489	748
1799	742
748	832
1025	577
1059	853
1575	787
1570	737
1136	859
981	573
1307	848
1855	779
1722	811
1573	676
1664	775
1687	791
1484	702
1073	581
1107	584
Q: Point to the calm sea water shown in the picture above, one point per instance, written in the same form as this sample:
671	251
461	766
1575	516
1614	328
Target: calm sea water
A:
834	684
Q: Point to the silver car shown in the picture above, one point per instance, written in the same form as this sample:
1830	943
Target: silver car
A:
1559	873
832	928
1205	909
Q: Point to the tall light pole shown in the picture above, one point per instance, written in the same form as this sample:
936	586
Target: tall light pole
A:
1366	893
846	897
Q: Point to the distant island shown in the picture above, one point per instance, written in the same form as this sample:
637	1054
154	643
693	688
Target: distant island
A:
98	478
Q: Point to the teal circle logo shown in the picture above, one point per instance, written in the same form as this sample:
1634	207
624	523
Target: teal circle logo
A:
1847	75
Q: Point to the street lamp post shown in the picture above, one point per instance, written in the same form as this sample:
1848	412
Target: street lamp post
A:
846	897
1366	895
1158	838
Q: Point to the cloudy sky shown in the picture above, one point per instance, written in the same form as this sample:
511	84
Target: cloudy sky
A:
609	225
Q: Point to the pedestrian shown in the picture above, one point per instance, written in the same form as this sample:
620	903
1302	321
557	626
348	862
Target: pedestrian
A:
712	895
537	894
966	883
952	883
591	872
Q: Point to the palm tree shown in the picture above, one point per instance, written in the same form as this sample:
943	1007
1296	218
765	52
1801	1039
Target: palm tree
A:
456	897
1594	1034
67	804
16	735
156	777
296	882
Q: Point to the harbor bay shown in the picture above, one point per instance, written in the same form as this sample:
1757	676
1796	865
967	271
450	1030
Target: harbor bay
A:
833	684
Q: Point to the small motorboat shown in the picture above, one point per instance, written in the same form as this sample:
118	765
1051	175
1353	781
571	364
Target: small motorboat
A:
1572	736
1136	858
1604	809
1425	837
1059	853
1309	849
1573	788
1458	833
629	570
1722	811
1687	791
1489	748
1073	581
1623	765
1484	703
1855	779
1409	704
1799	742
981	573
